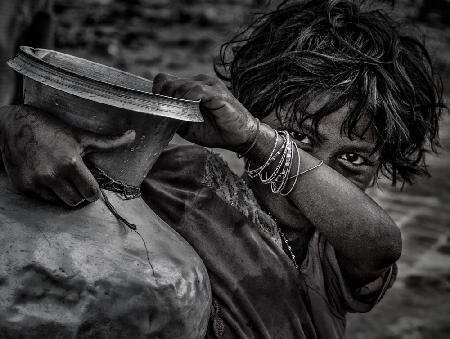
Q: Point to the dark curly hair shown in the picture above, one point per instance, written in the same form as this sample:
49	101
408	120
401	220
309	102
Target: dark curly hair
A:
358	56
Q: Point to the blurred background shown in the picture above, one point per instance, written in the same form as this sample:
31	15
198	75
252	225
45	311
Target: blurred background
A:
182	37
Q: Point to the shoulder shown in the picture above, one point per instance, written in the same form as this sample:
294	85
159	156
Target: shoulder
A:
185	158
180	177
196	164
188	176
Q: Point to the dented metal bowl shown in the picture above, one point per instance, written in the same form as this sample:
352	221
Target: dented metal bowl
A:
99	83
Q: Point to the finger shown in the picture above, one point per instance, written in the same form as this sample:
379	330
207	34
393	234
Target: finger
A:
31	184
21	182
197	92
65	191
46	194
171	87
183	90
203	77
209	80
159	80
90	142
85	182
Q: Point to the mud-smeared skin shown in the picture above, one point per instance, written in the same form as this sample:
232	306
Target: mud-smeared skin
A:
68	273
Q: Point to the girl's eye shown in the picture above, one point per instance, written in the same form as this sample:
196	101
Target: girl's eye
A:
304	139
353	158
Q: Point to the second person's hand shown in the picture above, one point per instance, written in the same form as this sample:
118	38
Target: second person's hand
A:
44	156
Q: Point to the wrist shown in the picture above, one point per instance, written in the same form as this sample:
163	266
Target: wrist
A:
250	135
262	145
254	138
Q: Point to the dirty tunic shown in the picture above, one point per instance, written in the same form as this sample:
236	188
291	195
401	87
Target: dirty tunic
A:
257	291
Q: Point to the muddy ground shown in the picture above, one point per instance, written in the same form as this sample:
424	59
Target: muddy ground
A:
182	37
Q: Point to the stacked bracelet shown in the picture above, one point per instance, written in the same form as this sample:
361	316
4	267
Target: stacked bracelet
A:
278	184
257	171
276	171
295	177
282	150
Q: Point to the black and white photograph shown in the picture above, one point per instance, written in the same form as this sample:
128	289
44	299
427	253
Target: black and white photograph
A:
224	169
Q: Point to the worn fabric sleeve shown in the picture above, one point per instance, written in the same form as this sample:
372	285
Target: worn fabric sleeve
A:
323	275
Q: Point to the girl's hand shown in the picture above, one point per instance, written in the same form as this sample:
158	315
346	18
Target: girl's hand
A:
227	123
44	156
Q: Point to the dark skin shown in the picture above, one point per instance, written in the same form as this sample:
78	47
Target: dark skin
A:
349	167
31	167
330	198
365	238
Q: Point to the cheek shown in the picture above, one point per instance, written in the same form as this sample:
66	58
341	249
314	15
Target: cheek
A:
361	178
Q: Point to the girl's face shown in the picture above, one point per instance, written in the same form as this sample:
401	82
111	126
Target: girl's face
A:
351	158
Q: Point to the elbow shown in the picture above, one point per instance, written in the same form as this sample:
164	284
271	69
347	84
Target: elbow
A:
388	248
396	247
381	248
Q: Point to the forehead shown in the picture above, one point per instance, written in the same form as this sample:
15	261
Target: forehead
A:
333	123
330	126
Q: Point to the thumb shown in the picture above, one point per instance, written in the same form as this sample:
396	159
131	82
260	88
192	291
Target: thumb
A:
91	142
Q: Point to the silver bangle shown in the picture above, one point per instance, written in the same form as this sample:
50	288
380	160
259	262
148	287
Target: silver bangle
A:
255	172
282	150
282	177
309	169
296	175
